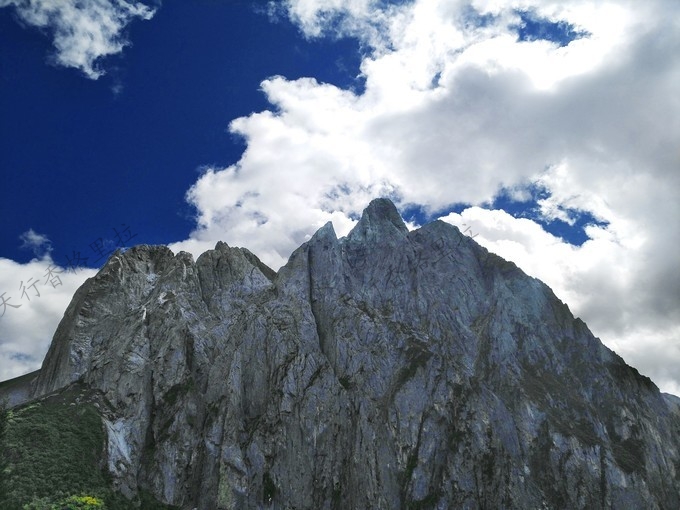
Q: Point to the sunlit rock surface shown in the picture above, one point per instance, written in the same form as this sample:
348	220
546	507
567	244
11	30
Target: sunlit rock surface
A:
388	369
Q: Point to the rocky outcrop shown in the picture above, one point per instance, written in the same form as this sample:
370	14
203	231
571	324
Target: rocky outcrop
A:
17	391
387	369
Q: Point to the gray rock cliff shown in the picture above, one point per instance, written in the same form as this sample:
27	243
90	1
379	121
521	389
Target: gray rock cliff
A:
387	369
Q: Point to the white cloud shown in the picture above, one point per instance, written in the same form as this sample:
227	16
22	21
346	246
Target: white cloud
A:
363	19
83	32
456	109
39	244
41	298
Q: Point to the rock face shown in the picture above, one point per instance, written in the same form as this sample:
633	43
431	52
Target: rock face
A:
388	369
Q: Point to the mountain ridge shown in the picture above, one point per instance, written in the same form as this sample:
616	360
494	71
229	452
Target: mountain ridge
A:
385	369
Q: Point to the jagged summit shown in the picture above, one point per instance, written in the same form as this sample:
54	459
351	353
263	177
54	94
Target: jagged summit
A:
387	369
379	220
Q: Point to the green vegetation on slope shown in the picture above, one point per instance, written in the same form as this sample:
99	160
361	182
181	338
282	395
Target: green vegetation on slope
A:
3	452
53	452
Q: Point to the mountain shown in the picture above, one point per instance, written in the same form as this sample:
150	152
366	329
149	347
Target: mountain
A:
387	369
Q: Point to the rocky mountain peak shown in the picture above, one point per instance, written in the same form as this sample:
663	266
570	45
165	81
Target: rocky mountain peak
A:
387	369
379	221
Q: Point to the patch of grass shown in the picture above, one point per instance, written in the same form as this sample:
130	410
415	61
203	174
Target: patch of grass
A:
417	355
630	455
178	391
623	372
428	502
411	464
268	488
336	498
148	502
345	382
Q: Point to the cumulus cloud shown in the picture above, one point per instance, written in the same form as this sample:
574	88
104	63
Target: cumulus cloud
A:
457	109
367	20
83	32
34	297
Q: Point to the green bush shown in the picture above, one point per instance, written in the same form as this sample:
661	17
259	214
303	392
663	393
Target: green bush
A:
4	458
70	503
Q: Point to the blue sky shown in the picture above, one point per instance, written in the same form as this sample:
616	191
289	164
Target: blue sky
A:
548	129
82	157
